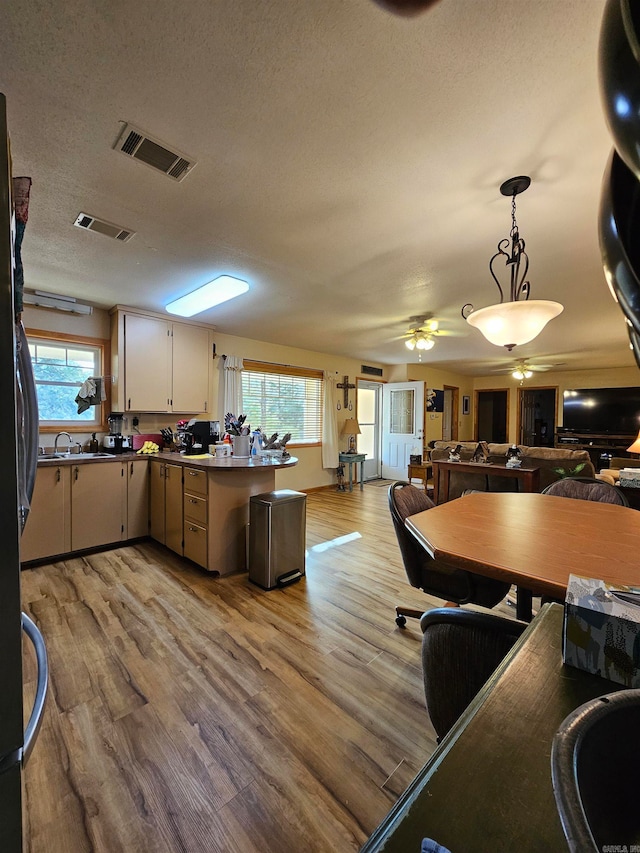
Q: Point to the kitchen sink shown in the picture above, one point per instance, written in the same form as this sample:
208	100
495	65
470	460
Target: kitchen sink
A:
96	455
42	456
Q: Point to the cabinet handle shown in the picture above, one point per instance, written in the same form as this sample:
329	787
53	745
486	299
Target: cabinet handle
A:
129	406
193	501
132	469
76	477
57	475
193	529
205	406
194	473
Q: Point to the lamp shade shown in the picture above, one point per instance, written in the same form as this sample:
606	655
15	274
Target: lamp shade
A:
351	427
635	447
511	323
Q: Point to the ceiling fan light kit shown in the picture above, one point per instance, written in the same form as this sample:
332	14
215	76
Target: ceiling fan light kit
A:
519	320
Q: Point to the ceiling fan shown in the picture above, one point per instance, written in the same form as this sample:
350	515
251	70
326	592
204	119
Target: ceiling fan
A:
525	369
422	332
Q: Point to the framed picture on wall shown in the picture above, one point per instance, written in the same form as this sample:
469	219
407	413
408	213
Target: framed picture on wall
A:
435	400
466	405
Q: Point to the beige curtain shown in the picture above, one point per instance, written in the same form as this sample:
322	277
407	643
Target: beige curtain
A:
232	398
329	423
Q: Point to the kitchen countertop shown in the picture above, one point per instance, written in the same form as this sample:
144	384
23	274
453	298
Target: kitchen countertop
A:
229	463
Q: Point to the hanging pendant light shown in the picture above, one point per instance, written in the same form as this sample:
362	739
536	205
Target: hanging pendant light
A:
519	320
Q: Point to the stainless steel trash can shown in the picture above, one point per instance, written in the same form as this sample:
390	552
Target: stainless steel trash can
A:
277	534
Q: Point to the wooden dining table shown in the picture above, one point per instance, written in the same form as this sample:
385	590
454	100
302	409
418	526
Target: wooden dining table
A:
533	540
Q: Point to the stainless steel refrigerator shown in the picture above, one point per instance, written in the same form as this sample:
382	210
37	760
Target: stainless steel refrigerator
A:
18	449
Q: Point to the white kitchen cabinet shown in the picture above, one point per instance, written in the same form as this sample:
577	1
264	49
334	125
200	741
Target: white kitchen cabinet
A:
98	504
80	506
147	364
137	474
159	365
48	528
165	486
190	369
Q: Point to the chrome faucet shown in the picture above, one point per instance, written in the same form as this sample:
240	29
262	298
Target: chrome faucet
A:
55	443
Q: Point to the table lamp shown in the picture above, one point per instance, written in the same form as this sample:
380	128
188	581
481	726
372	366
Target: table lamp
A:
635	447
351	427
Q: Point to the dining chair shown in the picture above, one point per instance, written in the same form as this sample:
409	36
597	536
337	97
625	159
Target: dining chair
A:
460	650
595	756
434	577
587	489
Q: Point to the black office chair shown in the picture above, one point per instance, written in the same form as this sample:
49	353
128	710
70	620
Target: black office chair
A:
587	489
460	650
595	757
433	576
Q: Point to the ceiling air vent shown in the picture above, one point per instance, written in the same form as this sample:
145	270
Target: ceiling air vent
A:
91	223
371	371
138	144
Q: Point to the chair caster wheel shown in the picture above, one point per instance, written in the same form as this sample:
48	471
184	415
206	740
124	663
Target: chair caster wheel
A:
401	621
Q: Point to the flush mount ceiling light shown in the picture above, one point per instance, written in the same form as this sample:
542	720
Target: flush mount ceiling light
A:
219	290
519	320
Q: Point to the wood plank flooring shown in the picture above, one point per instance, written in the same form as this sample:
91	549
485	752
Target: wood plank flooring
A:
198	714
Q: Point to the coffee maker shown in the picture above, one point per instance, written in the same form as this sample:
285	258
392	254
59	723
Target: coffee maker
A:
199	435
115	442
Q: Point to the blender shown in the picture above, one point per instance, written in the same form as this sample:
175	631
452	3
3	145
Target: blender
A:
115	442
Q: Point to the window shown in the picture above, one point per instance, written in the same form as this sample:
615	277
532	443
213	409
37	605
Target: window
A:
60	366
283	399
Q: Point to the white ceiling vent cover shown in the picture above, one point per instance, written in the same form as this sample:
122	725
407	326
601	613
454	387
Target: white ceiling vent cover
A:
138	144
92	223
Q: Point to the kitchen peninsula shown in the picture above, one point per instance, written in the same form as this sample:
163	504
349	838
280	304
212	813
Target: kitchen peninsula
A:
196	506
199	506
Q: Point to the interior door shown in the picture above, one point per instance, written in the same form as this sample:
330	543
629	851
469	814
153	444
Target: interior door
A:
369	408
402	426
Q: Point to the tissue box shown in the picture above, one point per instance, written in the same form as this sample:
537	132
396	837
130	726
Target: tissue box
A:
602	630
415	459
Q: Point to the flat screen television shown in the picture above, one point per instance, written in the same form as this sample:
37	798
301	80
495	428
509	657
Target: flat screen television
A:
602	410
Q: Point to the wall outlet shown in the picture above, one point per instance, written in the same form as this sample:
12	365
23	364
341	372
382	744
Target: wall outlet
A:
135	422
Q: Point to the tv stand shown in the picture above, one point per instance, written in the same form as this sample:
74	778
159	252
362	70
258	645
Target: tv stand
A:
595	443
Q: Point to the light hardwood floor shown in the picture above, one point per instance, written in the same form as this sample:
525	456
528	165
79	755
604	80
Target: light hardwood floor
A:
191	713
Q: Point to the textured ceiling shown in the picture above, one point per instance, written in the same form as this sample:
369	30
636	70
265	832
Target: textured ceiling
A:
348	164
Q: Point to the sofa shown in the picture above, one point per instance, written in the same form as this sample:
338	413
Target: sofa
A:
544	458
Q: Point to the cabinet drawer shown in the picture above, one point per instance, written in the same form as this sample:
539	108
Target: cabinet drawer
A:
195	508
195	543
195	481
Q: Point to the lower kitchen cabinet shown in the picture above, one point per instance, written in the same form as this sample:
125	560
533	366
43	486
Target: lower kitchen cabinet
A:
165	486
196	514
48	528
98	504
137	499
81	506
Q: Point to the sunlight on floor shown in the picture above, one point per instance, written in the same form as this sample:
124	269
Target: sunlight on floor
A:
334	543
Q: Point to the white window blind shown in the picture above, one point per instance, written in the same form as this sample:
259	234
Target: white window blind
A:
283	399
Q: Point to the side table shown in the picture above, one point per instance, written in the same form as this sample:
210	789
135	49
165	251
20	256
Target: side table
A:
349	459
422	471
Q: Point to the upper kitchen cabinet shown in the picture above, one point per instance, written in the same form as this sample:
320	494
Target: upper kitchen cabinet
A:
159	365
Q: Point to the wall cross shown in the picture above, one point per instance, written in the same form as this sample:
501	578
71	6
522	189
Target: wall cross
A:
345	385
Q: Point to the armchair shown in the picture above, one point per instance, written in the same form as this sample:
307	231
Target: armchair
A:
460	650
587	489
594	759
433	576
